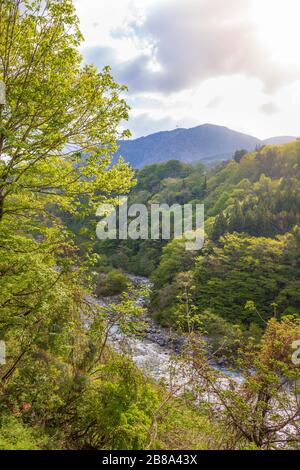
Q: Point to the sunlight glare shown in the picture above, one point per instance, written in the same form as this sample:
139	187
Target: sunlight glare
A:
278	27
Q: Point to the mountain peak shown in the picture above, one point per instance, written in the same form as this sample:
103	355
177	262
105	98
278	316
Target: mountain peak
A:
206	142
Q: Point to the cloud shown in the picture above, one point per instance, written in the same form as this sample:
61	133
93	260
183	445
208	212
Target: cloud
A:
214	102
139	102
179	56
142	124
269	108
100	56
193	41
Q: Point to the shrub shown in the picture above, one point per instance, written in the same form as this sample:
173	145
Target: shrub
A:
14	435
114	283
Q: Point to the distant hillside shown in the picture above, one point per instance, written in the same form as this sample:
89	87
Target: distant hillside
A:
283	139
206	143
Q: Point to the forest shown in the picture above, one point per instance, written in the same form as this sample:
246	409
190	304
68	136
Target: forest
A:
251	252
235	303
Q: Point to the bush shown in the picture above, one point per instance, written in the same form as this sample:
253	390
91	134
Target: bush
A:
224	337
116	413
14	435
114	283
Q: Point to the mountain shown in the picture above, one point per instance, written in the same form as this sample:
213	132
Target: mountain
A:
207	143
283	139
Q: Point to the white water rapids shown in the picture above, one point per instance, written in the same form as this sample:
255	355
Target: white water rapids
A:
152	353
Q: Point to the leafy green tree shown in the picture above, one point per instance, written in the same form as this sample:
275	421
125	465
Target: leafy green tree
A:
262	410
114	283
15	436
239	154
175	259
220	227
245	269
57	133
59	126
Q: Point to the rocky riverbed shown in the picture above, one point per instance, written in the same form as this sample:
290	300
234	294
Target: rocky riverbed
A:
157	350
156	353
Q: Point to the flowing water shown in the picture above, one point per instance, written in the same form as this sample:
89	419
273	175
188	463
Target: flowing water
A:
152	352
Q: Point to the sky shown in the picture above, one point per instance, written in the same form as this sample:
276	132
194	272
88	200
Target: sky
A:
234	63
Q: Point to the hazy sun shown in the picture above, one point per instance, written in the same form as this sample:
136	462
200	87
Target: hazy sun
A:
278	27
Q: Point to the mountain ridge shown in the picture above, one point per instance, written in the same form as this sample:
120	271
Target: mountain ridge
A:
207	143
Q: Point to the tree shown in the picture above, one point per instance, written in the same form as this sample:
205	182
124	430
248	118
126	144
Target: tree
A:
236	219
59	126
239	154
175	259
261	411
58	131
114	283
220	226
241	269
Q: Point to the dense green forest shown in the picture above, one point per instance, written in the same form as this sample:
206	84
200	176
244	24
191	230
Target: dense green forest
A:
63	384
249	267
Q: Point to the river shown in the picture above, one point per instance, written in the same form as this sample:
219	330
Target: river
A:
152	352
153	355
